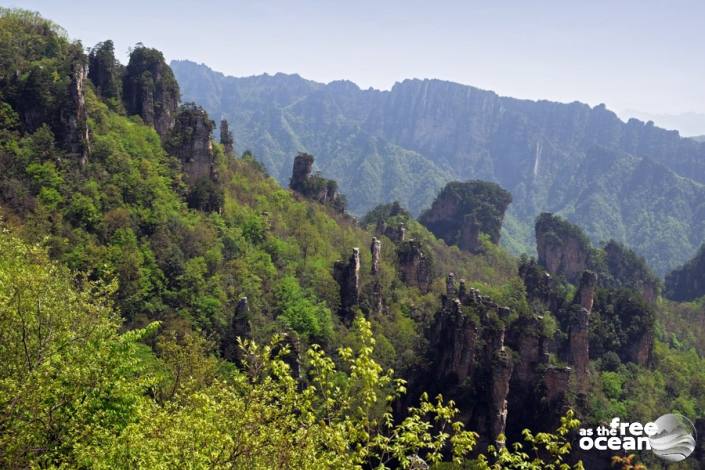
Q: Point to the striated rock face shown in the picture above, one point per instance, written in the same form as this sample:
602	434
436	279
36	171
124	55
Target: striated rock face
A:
314	187
150	89
375	250
562	247
464	210
73	116
226	138
240	327
347	275
105	71
190	141
586	290
414	265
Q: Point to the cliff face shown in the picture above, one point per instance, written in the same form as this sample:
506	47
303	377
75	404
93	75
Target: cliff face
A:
462	211
150	89
407	143
73	116
190	141
562	247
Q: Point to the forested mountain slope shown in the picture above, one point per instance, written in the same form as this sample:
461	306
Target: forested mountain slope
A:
164	303
631	182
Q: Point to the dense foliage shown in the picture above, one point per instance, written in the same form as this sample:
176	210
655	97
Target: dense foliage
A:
122	281
103	399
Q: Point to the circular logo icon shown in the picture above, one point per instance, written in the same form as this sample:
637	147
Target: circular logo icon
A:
674	439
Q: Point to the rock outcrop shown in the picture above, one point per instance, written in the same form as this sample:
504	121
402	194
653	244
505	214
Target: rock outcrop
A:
190	141
462	211
105	72
469	361
73	116
150	89
414	265
347	275
313	186
226	138
563	248
375	251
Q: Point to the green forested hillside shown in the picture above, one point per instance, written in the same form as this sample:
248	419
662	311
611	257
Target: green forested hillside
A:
165	303
406	143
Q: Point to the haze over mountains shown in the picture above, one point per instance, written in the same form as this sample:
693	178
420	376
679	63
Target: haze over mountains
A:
633	182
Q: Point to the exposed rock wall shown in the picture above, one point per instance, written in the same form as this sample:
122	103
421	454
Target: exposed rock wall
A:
190	141
73	116
562	247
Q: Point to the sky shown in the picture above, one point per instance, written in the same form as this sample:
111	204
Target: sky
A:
637	56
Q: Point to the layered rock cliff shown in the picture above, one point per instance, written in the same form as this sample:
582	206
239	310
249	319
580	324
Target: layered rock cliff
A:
462	211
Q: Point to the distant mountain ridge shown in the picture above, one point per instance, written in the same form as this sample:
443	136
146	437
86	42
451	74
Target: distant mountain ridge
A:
633	182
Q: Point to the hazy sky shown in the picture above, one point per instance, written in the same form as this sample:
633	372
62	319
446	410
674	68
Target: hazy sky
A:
637	54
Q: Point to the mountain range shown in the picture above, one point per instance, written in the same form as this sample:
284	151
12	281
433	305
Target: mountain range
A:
632	182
